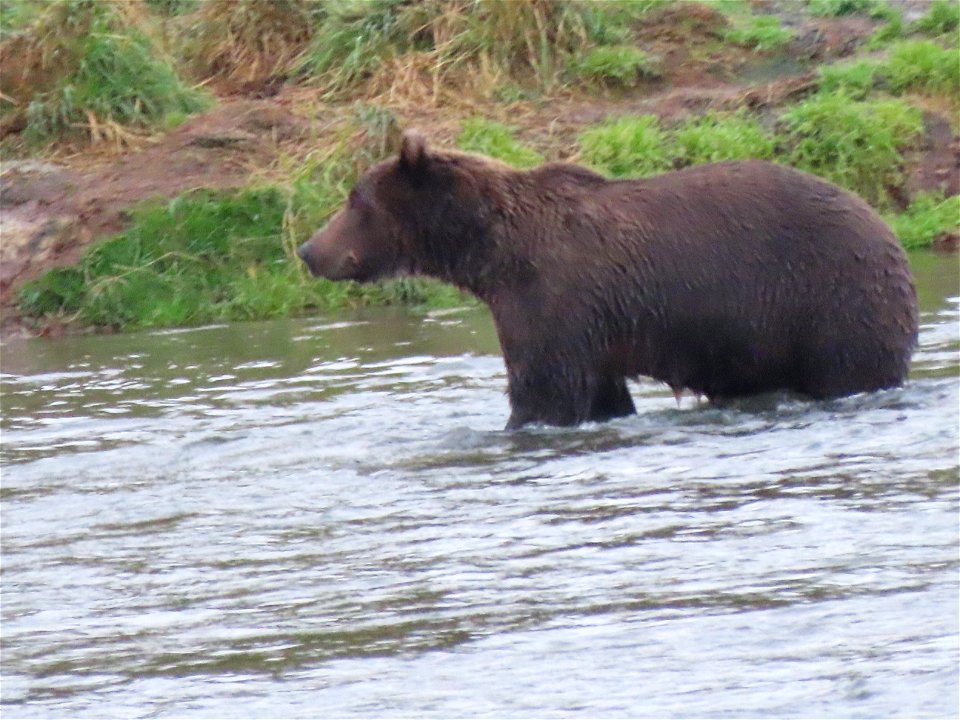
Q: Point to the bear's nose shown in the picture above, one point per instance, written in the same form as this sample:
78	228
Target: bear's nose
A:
303	252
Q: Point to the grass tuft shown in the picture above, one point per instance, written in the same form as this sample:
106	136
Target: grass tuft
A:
85	67
758	32
924	66
498	141
855	80
626	147
857	144
615	65
248	40
836	8
928	218
352	43
888	32
943	18
523	42
714	138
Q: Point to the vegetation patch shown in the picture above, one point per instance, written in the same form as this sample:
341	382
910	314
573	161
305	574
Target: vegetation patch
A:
855	80
928	218
836	8
923	65
205	257
497	141
353	42
393	45
857	144
626	147
714	137
758	32
891	30
615	65
497	38
248	40
84	68
943	18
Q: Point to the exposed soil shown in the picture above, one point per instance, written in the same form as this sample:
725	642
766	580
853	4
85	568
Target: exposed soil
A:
51	212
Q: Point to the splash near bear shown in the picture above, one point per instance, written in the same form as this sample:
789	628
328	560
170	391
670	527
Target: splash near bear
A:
727	280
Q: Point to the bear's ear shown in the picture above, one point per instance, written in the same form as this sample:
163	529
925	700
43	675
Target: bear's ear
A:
413	151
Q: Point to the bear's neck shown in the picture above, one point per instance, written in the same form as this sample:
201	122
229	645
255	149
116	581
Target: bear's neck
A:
469	247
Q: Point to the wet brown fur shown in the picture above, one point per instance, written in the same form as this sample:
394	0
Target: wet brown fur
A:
728	280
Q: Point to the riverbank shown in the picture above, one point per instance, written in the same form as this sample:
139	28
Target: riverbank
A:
795	83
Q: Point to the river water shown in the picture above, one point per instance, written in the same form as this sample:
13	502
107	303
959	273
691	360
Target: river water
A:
323	517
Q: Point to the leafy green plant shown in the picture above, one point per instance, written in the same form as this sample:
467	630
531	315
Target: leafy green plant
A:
922	65
927	218
618	65
758	32
626	147
857	144
855	79
713	138
498	141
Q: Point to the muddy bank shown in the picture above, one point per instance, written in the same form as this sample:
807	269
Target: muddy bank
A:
53	210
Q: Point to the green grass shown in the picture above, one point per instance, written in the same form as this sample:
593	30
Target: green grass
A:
639	146
923	65
18	14
836	8
615	65
713	138
496	140
758	32
626	147
857	144
855	79
927	218
943	18
890	31
353	42
206	257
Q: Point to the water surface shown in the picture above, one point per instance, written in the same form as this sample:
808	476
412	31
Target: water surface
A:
324	518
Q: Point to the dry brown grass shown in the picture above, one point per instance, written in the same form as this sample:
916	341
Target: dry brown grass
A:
432	50
242	41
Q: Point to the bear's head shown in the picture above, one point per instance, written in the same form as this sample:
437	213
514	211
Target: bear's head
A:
416	213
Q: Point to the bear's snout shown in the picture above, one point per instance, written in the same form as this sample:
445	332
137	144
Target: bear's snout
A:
329	265
303	252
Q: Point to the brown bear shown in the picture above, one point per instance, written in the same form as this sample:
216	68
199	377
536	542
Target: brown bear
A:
727	280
